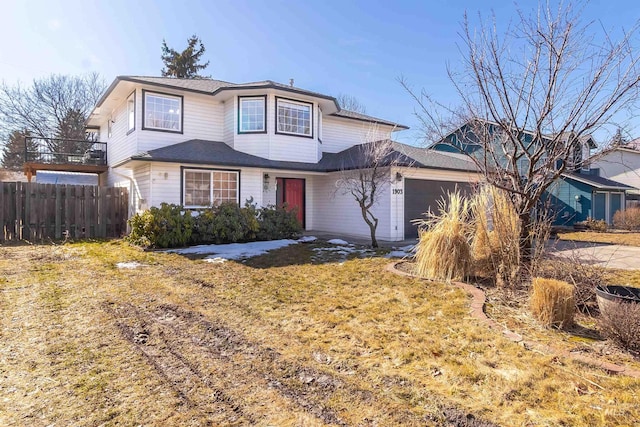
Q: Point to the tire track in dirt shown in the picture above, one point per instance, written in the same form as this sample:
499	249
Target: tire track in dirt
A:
306	387
188	337
191	386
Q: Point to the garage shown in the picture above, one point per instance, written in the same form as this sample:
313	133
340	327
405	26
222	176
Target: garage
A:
420	195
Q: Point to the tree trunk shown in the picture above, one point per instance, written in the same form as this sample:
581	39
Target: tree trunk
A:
372	223
374	241
526	238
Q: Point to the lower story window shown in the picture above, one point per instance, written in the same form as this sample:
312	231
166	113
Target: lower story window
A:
209	187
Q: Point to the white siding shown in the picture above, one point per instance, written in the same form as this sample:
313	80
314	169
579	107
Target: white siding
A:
142	185
120	146
203	119
340	134
251	186
339	213
230	124
165	183
621	166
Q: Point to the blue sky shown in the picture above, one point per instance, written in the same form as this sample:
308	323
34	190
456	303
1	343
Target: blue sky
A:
358	48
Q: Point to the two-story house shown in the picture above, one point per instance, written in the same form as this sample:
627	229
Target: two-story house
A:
197	142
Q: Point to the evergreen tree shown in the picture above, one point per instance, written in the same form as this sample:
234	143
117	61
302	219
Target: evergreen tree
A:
13	151
69	135
184	64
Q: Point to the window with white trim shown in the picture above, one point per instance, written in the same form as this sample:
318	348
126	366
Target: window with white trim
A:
319	124
294	117
251	114
204	188
131	112
162	112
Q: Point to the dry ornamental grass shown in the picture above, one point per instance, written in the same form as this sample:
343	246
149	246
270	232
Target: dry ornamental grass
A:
552	302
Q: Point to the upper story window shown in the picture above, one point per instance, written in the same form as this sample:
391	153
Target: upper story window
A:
252	114
294	117
319	124
162	112
131	112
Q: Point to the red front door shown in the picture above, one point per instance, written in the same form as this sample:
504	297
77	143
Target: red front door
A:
291	192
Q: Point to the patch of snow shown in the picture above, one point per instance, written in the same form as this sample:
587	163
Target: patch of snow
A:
216	260
401	252
234	250
307	239
338	242
129	265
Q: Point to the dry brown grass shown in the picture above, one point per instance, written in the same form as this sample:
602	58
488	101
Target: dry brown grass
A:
183	342
552	302
623	238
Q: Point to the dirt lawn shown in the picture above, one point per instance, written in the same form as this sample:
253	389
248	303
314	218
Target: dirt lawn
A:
271	341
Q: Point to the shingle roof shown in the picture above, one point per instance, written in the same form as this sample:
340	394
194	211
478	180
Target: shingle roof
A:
212	87
197	151
199	85
597	181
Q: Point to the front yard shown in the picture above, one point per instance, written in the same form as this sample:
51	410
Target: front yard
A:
275	340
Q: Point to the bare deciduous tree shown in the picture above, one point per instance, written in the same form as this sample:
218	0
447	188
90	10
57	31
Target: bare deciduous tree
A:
530	98
366	175
351	103
54	106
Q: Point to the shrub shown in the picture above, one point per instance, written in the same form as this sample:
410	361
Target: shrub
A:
628	219
620	322
276	222
164	227
552	302
231	223
443	251
597	225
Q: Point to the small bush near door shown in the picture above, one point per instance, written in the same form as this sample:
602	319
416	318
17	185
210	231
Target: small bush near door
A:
628	219
173	226
552	302
278	223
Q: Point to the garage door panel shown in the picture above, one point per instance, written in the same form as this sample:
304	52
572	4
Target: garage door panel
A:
422	195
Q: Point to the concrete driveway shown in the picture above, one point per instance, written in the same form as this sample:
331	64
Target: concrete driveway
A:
600	254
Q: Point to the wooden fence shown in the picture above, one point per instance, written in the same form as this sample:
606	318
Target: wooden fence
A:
42	212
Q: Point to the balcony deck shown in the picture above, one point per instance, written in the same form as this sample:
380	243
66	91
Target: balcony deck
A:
67	155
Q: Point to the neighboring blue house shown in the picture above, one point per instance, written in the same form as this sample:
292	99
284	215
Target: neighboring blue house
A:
584	194
579	194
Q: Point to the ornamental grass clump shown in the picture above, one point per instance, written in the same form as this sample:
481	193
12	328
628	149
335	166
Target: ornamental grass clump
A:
496	232
552	302
443	251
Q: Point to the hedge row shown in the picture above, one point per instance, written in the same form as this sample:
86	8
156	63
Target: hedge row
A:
172	226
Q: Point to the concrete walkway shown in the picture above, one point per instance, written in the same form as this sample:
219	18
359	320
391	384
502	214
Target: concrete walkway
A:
599	254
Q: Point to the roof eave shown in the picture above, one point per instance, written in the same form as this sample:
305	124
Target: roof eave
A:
381	122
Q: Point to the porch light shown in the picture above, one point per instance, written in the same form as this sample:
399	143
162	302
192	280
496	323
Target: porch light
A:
265	182
398	176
